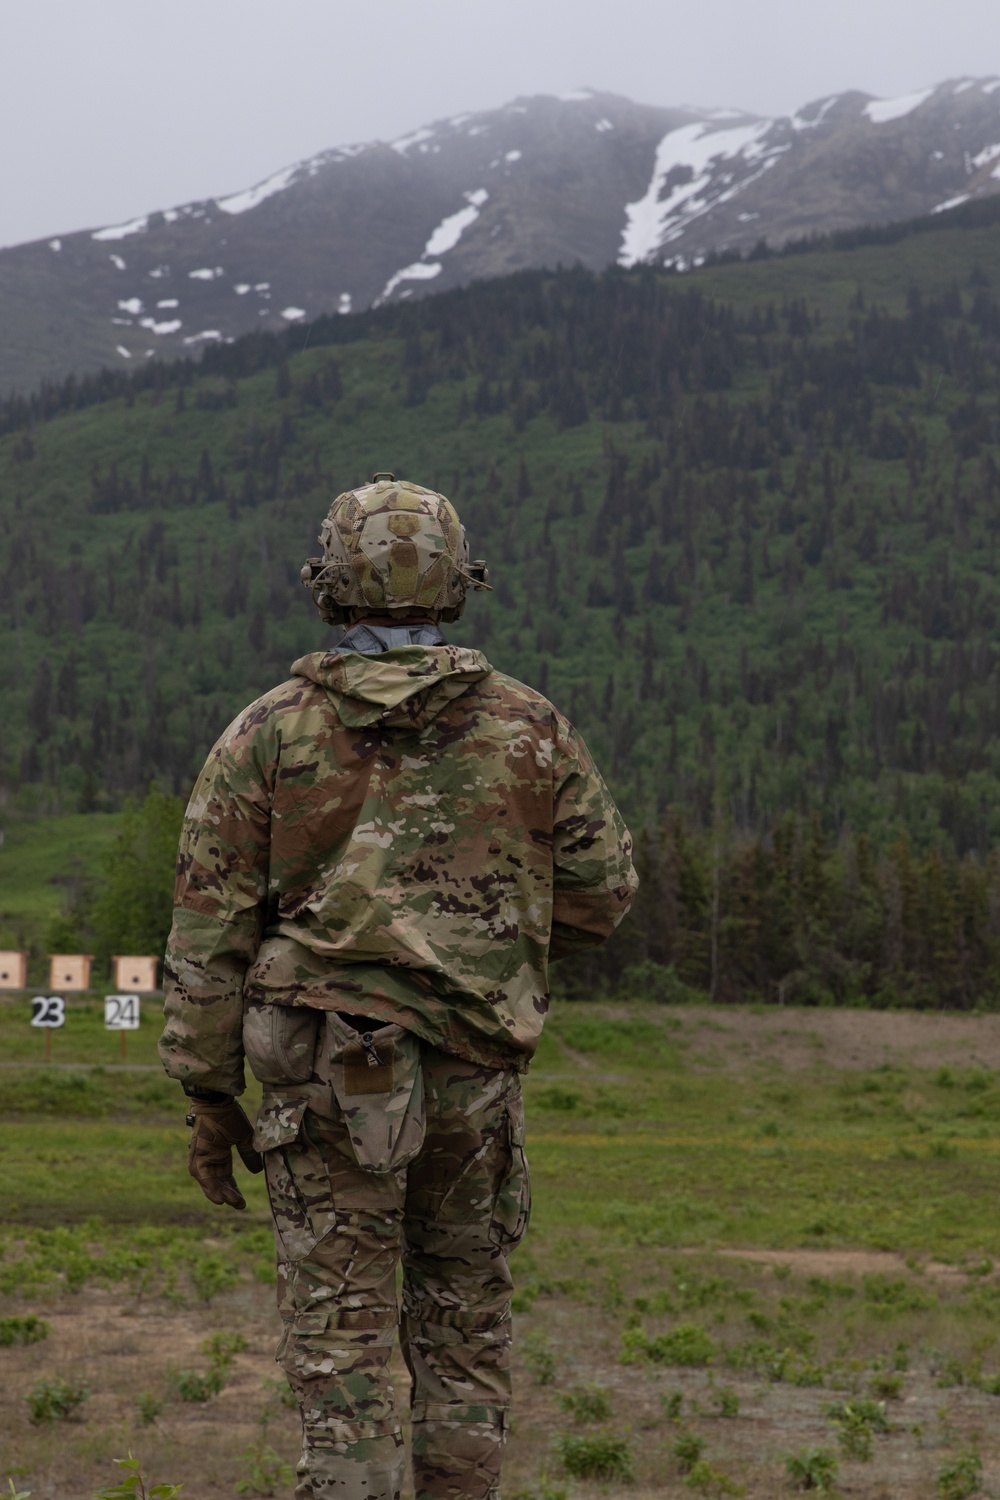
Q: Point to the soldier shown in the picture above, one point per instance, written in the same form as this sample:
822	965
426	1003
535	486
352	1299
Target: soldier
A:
377	863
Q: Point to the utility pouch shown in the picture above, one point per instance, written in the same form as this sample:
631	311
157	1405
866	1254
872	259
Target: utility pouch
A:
378	1083
280	1042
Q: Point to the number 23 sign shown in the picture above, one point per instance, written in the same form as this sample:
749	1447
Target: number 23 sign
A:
48	1011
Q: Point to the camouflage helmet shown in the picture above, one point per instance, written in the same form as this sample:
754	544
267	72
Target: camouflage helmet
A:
391	546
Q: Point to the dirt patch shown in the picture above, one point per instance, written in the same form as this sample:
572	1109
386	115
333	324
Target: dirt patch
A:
801	1040
848	1263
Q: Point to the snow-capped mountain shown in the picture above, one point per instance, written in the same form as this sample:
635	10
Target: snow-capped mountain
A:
590	178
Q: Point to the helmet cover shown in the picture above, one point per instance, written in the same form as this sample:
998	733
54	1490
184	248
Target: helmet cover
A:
391	547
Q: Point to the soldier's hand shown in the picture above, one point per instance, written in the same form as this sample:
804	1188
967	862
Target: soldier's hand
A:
215	1130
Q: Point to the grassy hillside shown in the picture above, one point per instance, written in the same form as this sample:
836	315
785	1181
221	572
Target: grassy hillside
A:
742	527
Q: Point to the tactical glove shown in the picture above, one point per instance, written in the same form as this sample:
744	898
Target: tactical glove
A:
215	1130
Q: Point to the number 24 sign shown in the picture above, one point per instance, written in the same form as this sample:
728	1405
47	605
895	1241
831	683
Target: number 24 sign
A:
121	1012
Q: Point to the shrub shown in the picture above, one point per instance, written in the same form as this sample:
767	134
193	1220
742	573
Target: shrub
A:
687	1344
688	1448
264	1472
147	1408
856	1421
708	1480
812	1469
727	1402
56	1400
587	1403
960	1477
219	1348
886	1384
541	1360
595	1456
190	1386
22	1331
211	1274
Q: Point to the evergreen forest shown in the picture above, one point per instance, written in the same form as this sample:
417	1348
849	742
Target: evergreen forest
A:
742	527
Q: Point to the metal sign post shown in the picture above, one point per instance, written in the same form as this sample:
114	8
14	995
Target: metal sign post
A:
121	1014
48	1012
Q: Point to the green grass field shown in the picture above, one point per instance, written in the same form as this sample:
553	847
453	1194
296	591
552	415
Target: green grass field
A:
740	1224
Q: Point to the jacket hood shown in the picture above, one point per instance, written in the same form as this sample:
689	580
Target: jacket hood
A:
401	689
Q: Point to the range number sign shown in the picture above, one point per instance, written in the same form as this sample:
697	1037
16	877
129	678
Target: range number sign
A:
48	1011
121	1012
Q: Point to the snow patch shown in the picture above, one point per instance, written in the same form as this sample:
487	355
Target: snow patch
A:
55	244
239	203
448	233
241	288
966	83
985	157
262	286
167	302
799	122
131	305
604	125
478	130
512	156
419	271
122	231
576	96
156	274
170	326
991	88
403	144
117	262
881	111
344	303
125	353
943	208
293	314
205	273
207	333
694	149
171	215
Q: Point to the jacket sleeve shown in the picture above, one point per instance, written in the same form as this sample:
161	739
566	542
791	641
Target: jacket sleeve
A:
219	904
594	880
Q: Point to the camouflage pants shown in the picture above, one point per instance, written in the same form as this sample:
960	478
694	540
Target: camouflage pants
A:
451	1216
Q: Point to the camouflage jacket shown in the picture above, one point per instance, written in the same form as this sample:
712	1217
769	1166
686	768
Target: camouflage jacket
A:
409	837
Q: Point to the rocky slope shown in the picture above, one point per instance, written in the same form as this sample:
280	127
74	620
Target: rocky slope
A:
591	178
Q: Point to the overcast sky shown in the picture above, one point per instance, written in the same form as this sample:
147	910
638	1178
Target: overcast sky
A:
109	108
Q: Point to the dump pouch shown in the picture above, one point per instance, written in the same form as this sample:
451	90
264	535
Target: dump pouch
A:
372	1082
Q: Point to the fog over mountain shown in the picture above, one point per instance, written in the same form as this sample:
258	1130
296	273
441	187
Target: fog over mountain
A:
590	178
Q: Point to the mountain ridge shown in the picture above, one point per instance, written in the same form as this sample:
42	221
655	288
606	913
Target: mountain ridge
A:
591	178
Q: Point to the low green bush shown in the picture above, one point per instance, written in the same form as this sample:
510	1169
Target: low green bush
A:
812	1469
30	1330
960	1477
687	1344
55	1400
601	1455
587	1403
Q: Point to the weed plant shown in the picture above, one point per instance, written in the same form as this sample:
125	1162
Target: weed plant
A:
960	1477
812	1469
603	1455
133	1486
29	1330
148	1409
688	1448
264	1472
586	1403
55	1400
